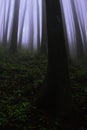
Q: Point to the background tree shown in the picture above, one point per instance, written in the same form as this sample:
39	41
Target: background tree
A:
13	46
22	24
38	27
31	26
4	18
44	28
81	22
6	25
79	45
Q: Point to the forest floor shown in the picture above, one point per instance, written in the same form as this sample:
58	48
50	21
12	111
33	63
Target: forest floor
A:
21	77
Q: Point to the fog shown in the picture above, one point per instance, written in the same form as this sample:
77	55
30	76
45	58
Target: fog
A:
69	21
4	5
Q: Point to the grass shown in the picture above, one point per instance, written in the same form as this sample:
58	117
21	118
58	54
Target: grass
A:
21	77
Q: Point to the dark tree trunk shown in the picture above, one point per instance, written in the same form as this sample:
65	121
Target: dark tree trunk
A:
21	30
64	27
57	95
13	46
31	27
6	27
4	18
79	46
81	20
38	27
44	29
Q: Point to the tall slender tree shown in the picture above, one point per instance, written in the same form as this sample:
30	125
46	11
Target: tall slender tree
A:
82	26
79	45
21	28
38	27
4	18
44	28
31	26
13	45
6	25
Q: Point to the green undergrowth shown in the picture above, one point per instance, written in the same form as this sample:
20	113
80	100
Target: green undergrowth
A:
21	77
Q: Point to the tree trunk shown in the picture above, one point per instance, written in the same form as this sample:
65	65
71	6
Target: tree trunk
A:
22	24
6	27
38	27
13	46
79	46
31	27
57	95
44	29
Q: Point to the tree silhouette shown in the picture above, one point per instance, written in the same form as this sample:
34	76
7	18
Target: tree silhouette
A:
13	46
56	96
